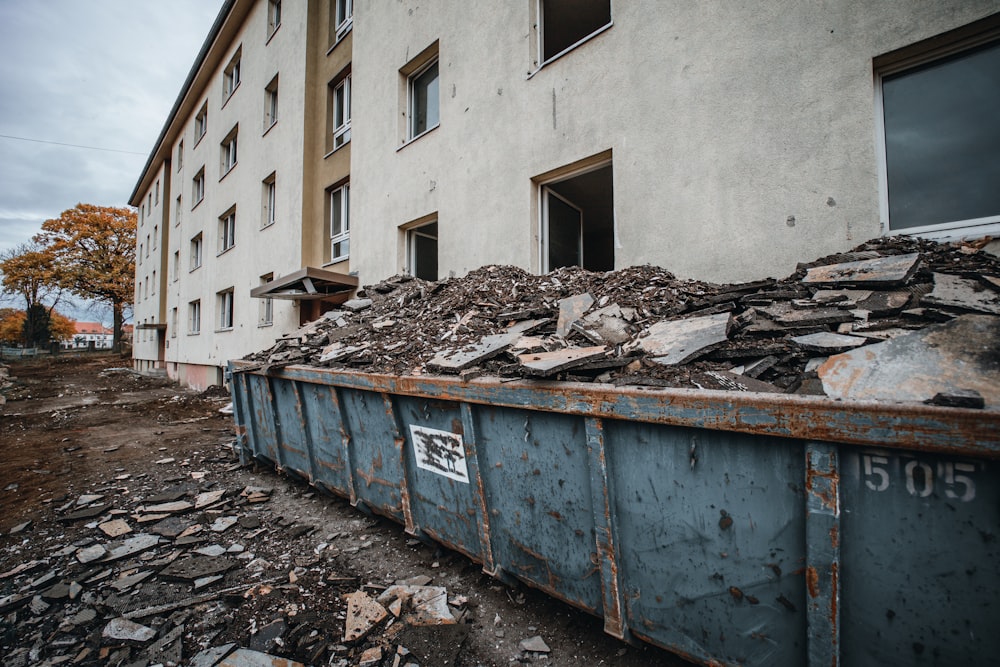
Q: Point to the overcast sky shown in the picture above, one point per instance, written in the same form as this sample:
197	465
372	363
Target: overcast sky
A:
97	73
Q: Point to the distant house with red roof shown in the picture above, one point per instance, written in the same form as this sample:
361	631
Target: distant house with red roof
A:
91	332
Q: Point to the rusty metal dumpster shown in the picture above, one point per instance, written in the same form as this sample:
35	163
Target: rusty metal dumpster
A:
730	528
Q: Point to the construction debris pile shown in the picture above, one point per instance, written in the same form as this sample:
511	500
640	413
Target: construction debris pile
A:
896	318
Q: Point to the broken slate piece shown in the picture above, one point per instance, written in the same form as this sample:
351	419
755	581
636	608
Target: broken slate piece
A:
124	629
211	656
881	271
86	513
204	582
196	567
115	528
487	348
534	644
828	342
267	636
223	523
363	614
208	498
428	604
549	363
959	398
356	305
679	341
961	293
212	550
917	365
132	546
127	582
91	553
570	310
371	657
167	508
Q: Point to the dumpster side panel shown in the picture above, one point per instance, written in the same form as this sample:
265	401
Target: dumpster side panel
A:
712	528
442	491
921	559
323	422
375	448
536	474
262	430
293	434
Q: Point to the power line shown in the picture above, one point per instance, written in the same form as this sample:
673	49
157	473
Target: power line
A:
58	143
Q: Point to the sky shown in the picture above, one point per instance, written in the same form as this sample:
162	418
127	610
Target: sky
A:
102	74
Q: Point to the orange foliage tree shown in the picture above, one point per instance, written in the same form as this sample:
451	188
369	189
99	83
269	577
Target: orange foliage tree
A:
93	250
29	271
12	320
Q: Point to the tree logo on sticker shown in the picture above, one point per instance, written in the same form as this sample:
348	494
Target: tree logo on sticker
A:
440	452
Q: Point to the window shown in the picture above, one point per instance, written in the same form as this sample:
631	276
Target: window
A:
139	257
149	198
341	19
152	289
194	316
271	103
273	16
147	245
268	202
231	75
422	251
224	301
196	248
198	187
156	232
180	154
177	265
424	100
177	214
157	192
342	112
942	138
227	230
266	315
564	24
578	218
229	151
173	322
201	123
340	223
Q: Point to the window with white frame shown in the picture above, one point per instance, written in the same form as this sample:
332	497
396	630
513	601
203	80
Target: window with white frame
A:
197	247
268	201
231	75
227	230
342	112
266	314
228	152
941	136
194	316
271	103
201	123
180	154
424	99
564	24
198	187
224	302
422	251
339	205
341	19
273	16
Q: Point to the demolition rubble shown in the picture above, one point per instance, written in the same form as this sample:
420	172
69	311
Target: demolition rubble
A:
893	319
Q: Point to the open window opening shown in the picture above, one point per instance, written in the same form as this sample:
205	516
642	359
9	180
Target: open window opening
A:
566	23
422	251
578	221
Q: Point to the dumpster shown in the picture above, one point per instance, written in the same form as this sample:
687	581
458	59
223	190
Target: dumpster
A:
730	528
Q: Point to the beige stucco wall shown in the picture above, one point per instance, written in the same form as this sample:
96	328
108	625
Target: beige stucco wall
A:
743	134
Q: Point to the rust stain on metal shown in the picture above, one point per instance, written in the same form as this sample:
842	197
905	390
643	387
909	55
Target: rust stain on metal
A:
736	593
835	536
827	493
555	515
726	521
786	603
812	581
456	426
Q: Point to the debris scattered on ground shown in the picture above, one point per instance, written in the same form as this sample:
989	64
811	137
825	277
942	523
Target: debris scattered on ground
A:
643	326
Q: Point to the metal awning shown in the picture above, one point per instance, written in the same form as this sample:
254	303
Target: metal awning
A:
307	284
147	325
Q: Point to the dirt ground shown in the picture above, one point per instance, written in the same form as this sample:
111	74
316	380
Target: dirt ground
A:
84	432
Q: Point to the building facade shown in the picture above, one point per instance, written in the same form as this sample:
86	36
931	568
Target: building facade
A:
321	144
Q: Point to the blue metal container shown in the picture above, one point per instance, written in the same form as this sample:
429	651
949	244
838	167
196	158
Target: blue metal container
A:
730	528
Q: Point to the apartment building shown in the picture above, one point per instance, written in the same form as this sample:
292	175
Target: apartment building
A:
321	144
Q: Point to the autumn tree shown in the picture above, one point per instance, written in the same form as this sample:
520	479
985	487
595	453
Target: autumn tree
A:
13	321
29	270
93	250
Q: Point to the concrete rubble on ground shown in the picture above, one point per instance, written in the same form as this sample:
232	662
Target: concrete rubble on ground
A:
642	326
127	590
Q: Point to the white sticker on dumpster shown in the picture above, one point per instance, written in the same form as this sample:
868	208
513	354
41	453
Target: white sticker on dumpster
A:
440	452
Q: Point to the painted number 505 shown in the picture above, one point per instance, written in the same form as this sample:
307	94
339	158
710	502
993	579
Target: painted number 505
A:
919	477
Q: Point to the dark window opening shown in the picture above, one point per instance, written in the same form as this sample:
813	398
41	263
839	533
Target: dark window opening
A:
566	22
579	221
424	251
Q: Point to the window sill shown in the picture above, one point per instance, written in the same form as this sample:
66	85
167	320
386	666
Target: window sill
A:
194	269
197	203
346	143
228	171
197	140
268	128
569	48
341	34
270	224
194	333
229	95
223	329
947	232
264	325
419	136
225	250
272	34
